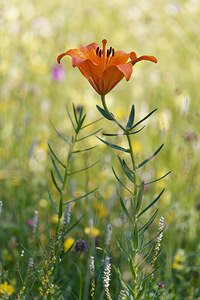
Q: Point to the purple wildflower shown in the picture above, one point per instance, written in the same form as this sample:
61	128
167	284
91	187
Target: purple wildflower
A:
58	73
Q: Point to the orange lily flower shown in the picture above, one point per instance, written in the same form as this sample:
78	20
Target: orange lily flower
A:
103	68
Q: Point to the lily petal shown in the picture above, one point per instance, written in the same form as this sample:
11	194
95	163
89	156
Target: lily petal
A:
126	69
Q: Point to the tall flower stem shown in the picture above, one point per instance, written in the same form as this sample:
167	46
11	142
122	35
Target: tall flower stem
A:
131	152
81	278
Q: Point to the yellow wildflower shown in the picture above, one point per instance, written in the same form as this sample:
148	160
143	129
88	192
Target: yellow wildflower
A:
6	289
68	243
100	209
92	231
137	147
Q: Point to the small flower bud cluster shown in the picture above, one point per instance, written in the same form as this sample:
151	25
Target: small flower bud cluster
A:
122	295
31	262
106	278
35	221
67	213
1	205
108	234
92	274
158	244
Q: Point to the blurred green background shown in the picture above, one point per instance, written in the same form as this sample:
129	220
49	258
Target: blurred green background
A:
32	35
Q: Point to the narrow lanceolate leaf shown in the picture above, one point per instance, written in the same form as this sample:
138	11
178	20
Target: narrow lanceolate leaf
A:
60	209
157	179
83	196
121	134
143	119
56	169
80	113
145	257
70	118
132	270
151	157
84	150
126	170
125	285
59	134
92	123
121	246
104	113
124	208
55	156
48	230
131	118
135	237
52	202
139	197
85	137
73	226
80	124
75	114
152	203
55	183
141	292
121	182
114	146
78	171
146	226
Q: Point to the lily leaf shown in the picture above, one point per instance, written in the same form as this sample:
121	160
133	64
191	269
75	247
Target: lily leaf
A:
59	134
124	208
70	118
55	183
146	226
121	182
60	209
92	123
151	157
52	202
124	284
143	119
114	146
72	173
152	203
55	156
80	124
121	134
48	230
75	114
139	197
131	118
74	225
104	113
83	150
126	169
157	179
85	137
83	196
56	169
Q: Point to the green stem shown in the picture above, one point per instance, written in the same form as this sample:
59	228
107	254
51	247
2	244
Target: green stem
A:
81	279
126	132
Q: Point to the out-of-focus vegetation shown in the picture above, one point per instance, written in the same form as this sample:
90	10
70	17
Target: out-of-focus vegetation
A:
34	90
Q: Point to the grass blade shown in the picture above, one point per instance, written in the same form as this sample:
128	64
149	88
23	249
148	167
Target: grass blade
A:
52	202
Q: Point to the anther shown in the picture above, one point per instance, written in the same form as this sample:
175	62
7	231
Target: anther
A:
108	52
100	53
97	51
113	52
110	49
